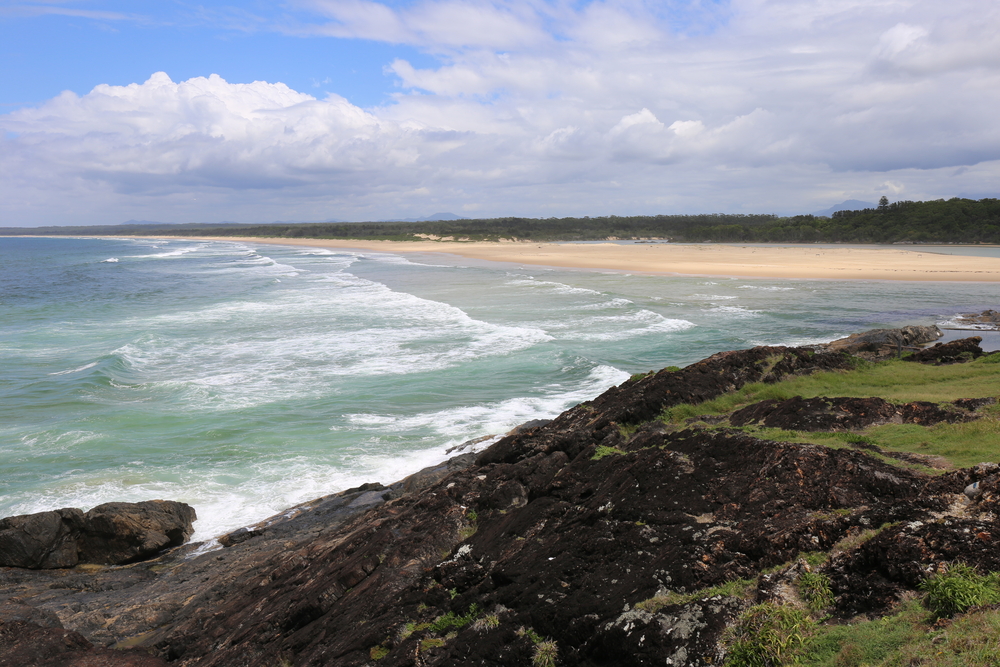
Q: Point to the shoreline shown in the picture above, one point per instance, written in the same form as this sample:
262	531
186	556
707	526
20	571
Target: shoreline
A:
801	262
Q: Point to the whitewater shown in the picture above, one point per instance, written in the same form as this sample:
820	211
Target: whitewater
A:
244	378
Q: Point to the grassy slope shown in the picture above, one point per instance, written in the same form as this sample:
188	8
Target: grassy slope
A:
961	445
911	635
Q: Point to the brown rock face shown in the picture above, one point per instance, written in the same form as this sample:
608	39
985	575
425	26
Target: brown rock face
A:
113	533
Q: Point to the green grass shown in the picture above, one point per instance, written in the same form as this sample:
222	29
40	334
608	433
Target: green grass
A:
814	587
767	634
603	450
960	445
958	588
897	381
869	642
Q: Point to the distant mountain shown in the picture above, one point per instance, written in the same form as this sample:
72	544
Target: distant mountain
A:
430	218
849	205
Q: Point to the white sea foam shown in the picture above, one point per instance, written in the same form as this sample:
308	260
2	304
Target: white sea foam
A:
461	423
109	260
614	303
177	252
714	297
766	288
76	370
639	322
355	327
734	311
556	287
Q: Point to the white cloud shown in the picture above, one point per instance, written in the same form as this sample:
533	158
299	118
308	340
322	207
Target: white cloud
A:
898	38
546	108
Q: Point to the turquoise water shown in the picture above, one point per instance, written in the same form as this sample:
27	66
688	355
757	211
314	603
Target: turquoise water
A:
244	378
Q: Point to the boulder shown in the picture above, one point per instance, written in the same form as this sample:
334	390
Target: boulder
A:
109	534
119	533
41	541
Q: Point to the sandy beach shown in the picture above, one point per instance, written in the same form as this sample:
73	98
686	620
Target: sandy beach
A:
801	261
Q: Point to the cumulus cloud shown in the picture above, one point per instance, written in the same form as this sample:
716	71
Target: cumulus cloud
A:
546	108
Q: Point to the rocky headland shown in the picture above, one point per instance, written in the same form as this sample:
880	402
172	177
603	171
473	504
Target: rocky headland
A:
622	532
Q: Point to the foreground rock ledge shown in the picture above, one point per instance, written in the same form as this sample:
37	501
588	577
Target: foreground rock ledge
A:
109	534
563	529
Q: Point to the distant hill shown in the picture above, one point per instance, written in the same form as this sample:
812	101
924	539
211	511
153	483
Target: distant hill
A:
431	218
849	205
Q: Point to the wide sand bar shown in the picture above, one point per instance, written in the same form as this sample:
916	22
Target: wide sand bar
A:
791	261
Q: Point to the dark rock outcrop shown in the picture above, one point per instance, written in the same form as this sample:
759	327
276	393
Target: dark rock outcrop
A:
882	343
953	352
112	533
846	414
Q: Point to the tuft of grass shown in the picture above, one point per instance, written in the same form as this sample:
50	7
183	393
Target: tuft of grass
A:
604	450
431	642
958	588
378	652
409	629
530	634
453	620
766	634
814	587
545	654
739	588
488	622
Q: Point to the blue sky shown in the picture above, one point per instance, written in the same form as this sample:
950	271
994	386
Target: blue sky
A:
371	110
52	47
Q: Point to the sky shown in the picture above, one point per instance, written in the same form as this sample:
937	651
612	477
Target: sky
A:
312	110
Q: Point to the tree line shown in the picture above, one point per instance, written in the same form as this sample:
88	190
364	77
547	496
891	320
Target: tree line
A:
941	221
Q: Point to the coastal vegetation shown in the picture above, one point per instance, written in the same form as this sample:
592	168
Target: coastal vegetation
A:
954	220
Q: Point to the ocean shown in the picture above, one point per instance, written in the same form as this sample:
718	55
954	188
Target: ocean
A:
244	378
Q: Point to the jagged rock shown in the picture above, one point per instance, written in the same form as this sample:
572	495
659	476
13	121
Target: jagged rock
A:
112	533
879	343
953	352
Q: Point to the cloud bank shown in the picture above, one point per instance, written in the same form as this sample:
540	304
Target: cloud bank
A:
544	108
